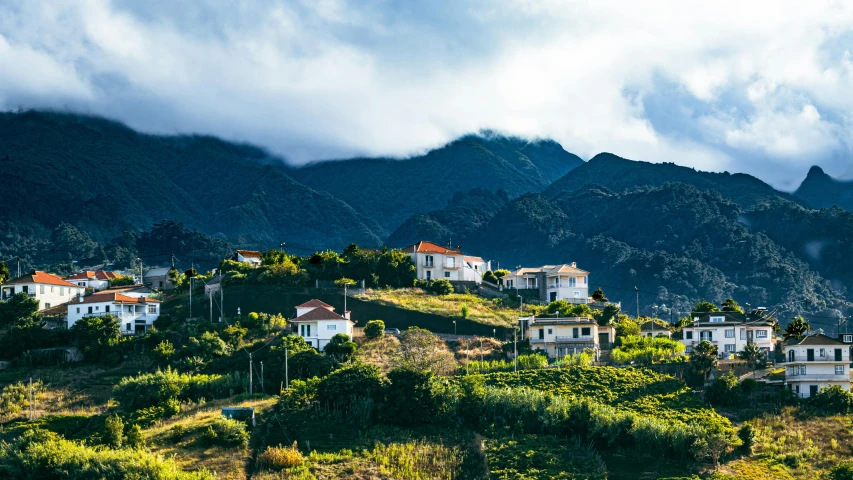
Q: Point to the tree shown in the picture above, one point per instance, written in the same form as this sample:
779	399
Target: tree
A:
4	272
410	397
797	328
66	238
309	364
163	352
441	287
703	358
627	327
705	307
114	431
490	277
340	347
420	349
374	329
608	314
209	346
842	471
599	296
732	306
19	309
724	391
344	281
135	438
751	353
357	380
233	334
95	336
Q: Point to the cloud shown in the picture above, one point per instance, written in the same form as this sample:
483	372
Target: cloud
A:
760	87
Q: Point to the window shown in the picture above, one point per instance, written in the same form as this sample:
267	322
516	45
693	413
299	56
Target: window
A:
573	282
541	334
584	280
451	262
761	333
730	333
822	352
706	335
577	294
127	328
446	274
839	369
717	319
97	308
42	289
331	327
689	334
78	309
429	275
802	369
585	332
46	305
743	334
428	261
575	332
793	371
792	356
107	309
90	309
730	348
62	290
848	338
51	289
550	331
689	349
837	354
152	308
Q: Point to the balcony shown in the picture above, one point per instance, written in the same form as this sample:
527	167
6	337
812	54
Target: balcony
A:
582	338
429	265
818	377
817	358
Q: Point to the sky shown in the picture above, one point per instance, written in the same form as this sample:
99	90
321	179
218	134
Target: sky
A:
761	87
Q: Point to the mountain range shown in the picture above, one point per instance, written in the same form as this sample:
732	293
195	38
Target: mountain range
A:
676	233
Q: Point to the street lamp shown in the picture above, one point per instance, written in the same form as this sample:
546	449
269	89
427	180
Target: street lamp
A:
454	327
281	247
520	314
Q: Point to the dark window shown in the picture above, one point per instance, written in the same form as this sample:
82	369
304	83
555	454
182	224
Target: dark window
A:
574	333
553	296
90	309
837	354
585	332
792	356
689	334
541	334
107	309
812	390
810	354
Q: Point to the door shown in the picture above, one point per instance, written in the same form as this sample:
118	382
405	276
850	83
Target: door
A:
810	354
812	390
574	333
604	341
749	335
553	296
837	354
541	334
429	275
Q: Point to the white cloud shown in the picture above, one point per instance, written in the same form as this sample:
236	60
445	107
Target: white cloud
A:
327	79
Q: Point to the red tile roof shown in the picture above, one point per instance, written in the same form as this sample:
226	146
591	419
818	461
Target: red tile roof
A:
43	278
100	275
314	303
430	247
319	314
115	298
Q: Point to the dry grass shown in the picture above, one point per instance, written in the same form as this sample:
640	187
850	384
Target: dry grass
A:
474	348
480	310
795	445
189	453
379	351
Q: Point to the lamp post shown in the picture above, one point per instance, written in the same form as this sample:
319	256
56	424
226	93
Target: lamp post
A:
281	247
520	314
454	327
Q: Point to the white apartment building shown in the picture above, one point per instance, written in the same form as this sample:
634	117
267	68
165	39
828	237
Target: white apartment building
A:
97	281
815	362
435	262
729	331
317	323
559	337
554	282
49	289
135	314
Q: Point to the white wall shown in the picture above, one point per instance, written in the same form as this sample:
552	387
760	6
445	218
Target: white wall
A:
739	341
126	313
47	295
320	332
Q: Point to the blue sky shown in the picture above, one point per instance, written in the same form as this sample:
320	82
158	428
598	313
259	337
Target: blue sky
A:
756	87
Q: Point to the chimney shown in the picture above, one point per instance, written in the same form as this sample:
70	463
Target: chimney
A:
574	265
347	315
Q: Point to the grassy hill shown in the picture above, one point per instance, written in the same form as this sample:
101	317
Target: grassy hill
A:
390	190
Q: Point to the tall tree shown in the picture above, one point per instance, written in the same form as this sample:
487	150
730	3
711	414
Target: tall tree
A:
4	272
598	295
751	353
703	358
18	310
732	306
705	307
797	328
69	239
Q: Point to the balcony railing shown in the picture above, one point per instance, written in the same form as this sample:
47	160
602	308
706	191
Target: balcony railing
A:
817	358
429	264
817	377
582	338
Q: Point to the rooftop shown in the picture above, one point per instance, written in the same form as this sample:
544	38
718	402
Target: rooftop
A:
561	321
314	304
97	275
42	278
430	247
249	253
816	339
115	297
319	314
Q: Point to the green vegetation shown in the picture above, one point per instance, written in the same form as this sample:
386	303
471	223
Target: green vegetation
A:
646	350
529	457
374	328
480	309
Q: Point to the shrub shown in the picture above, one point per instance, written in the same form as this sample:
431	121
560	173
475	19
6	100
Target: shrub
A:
832	400
724	391
135	438
749	385
646	350
441	287
374	329
748	436
157	388
279	458
226	432
114	431
358	380
341	347
176	433
842	471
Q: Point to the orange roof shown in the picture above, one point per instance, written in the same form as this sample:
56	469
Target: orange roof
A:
249	253
314	304
43	278
430	247
100	275
115	298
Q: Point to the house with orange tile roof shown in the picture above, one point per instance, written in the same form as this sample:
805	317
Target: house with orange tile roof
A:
435	262
248	256
551	282
135	314
47	288
96	280
317	322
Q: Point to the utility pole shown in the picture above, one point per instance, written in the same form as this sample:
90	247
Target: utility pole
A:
466	357
173	259
262	376
210	297
521	314
638	302
286	373
221	300
19	267
250	374
192	277
281	247
141	280
515	351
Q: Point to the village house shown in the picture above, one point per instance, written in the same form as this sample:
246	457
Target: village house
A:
652	329
248	256
559	337
317	323
815	362
435	262
551	282
135	314
729	331
48	289
158	278
96	281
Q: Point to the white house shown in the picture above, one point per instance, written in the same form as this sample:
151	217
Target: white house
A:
97	281
729	331
248	256
135	314
49	289
559	337
815	362
317	323
435	262
553	282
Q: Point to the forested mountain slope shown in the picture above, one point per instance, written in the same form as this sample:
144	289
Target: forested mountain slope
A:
822	191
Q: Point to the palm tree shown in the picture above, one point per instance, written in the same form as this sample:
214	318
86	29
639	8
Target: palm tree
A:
798	328
751	353
704	357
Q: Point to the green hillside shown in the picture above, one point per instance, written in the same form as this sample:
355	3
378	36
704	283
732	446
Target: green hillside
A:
391	190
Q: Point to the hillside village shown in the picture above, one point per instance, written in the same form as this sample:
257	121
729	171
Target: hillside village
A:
315	377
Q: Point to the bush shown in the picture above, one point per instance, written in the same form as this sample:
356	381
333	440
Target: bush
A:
135	438
176	433
226	432
724	391
279	458
114	431
340	347
358	380
158	388
441	287
749	385
374	329
842	471
748	436
832	400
